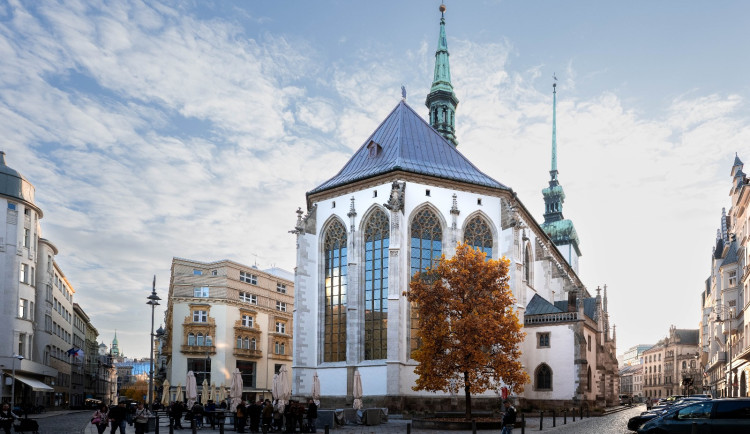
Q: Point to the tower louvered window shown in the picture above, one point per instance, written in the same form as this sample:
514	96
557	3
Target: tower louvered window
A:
334	251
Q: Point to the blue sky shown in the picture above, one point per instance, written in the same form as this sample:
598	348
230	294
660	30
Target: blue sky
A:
194	129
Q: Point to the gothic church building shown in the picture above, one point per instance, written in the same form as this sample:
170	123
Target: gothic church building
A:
404	198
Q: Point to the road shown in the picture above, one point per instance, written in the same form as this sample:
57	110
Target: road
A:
72	422
615	423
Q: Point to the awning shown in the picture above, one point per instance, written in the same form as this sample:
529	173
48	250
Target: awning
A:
35	385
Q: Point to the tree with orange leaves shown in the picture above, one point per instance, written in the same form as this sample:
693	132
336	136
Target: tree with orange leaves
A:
468	329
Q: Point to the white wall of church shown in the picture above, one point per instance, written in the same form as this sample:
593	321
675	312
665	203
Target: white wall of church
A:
559	357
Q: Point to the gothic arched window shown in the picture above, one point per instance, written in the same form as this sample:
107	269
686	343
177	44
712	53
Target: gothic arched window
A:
588	380
377	234
543	377
527	265
334	251
426	248
478	235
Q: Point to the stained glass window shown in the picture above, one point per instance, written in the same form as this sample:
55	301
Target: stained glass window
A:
377	234
334	251
478	235
543	377
426	248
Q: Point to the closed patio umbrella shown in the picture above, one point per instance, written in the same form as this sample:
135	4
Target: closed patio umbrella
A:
315	393
204	392
235	390
285	387
178	393
165	393
357	391
191	390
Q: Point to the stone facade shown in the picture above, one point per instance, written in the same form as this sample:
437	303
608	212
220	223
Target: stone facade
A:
672	366
725	301
223	315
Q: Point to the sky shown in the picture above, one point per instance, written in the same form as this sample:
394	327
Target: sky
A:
194	128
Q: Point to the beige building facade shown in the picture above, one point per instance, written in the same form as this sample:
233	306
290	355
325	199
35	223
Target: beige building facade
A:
224	315
671	367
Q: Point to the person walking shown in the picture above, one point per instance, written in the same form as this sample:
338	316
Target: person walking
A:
312	414
141	418
267	416
6	418
241	415
100	418
509	418
176	415
118	418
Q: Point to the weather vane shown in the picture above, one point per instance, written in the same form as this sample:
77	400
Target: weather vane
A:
403	92
554	84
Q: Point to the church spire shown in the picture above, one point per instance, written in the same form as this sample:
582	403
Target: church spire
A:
442	100
554	196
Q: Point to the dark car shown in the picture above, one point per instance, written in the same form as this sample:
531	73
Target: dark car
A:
725	416
660	410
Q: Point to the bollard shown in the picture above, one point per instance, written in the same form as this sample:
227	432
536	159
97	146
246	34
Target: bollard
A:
193	425
523	423
408	428
554	421
541	420
694	428
327	429
565	416
581	409
221	426
574	414
156	425
588	414
171	427
473	426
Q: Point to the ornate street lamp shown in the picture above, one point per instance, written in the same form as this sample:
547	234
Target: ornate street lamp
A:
153	300
728	311
13	386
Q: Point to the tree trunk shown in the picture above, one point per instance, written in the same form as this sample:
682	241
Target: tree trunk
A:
467	388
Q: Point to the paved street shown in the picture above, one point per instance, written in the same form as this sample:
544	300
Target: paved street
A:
611	424
62	422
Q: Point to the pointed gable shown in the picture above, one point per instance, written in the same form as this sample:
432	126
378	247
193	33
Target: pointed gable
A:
405	142
539	306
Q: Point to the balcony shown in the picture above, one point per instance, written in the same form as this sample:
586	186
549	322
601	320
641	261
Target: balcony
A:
550	318
200	350
718	358
247	353
280	356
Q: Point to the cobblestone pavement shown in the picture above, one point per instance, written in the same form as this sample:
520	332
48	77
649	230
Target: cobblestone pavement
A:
615	423
62	422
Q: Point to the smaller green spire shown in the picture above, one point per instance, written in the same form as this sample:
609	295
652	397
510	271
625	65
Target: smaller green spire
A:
553	170
442	100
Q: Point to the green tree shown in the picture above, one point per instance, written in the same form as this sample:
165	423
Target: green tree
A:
468	328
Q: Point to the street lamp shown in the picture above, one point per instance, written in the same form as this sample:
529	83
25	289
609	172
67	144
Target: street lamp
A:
13	386
153	300
723	309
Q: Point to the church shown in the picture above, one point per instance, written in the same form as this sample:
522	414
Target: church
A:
406	197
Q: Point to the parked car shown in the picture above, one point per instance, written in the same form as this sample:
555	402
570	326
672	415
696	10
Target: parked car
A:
725	416
659	410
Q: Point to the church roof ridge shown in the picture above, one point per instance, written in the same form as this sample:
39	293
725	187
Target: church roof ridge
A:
405	141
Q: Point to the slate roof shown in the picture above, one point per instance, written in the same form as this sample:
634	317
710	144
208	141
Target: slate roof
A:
539	306
589	306
731	257
687	337
404	141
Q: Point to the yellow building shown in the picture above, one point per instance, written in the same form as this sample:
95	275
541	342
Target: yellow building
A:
223	315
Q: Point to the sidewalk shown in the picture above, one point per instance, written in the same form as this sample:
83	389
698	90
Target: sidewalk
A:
395	425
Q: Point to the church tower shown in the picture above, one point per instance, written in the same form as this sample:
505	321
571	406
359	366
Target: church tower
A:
560	230
115	349
442	100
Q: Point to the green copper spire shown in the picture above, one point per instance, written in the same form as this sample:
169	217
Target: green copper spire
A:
560	230
442	100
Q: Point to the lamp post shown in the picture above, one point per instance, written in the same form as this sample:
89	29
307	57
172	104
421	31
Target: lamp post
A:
13	385
723	309
153	301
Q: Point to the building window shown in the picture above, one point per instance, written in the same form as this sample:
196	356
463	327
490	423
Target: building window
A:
281	288
11	206
33	277
589	342
527	264
201	292
201	368
280	327
281	306
214	272
24	278
543	377
248	298
200	316
543	340
426	249
197	272
588	378
191	339
26	237
199	340
23	308
478	235
247	369
248	278
377	239
247	321
279	347
732	278
334	252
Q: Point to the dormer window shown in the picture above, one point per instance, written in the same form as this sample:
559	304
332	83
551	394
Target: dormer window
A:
373	149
